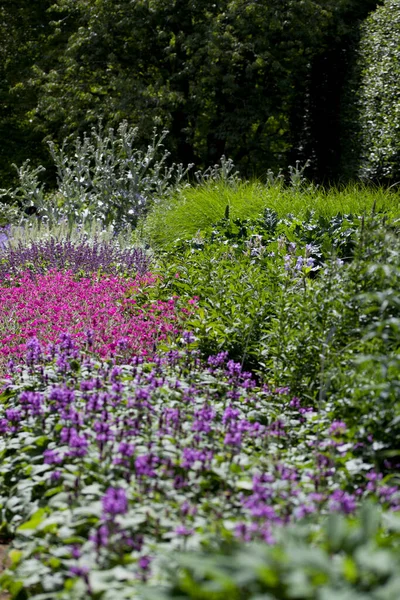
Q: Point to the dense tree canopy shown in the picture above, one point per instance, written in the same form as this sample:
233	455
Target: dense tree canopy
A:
256	80
23	34
377	115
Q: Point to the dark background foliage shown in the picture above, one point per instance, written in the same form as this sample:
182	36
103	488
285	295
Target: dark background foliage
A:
263	82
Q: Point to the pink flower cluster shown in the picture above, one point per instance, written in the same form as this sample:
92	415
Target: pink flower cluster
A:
98	312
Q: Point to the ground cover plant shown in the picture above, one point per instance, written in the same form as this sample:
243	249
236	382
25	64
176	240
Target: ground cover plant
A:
104	465
101	314
82	256
356	558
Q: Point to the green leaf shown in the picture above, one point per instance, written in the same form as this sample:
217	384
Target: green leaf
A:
36	519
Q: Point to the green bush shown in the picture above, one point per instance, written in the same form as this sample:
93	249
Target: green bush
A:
327	327
379	94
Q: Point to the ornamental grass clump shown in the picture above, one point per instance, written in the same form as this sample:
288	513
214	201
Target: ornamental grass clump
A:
102	314
104	466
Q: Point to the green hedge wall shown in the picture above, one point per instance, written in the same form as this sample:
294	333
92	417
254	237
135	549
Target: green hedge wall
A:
378	97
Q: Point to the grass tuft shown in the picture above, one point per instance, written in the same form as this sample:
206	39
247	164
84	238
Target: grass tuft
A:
198	208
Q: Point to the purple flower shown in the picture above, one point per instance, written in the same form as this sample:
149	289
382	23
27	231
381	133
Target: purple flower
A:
203	418
288	262
61	397
77	443
218	360
190	456
179	482
187	509
64	254
103	431
55	476
34	351
303	510
341	501
114	502
80	572
242	532
13	415
277	428
310	262
31	402
66	342
188	337
100	538
233	439
337	428
309	249
4	426
294	403
145	465
299	263
126	450
233	368
183	531
51	457
144	563
230	414
75	552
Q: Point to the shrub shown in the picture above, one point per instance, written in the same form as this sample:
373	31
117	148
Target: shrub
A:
101	177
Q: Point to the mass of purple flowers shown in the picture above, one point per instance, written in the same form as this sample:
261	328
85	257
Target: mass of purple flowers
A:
119	460
67	255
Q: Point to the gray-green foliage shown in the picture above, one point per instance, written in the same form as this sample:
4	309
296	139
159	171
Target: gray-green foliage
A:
101	177
379	94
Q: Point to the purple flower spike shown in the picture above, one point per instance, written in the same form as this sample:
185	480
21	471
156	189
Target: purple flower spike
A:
183	531
337	428
34	351
144	563
115	502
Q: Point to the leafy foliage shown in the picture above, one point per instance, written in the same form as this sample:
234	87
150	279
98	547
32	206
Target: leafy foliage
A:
308	304
229	78
103	178
197	208
378	98
355	559
168	443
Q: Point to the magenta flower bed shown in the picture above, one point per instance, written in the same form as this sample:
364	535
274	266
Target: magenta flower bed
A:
100	314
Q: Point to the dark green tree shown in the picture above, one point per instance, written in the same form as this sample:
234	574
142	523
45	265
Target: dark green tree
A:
23	34
257	80
222	77
375	119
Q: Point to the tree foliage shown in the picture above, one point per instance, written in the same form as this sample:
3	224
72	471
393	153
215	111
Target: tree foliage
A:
378	100
223	78
257	80
23	34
